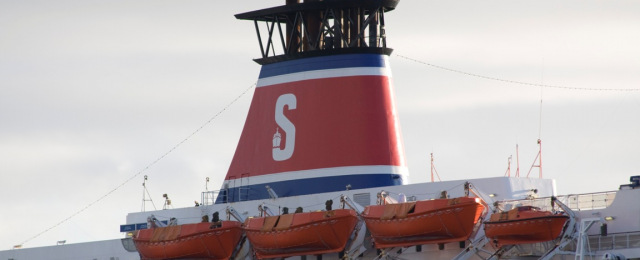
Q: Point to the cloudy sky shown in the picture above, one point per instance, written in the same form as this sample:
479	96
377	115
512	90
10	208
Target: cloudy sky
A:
92	92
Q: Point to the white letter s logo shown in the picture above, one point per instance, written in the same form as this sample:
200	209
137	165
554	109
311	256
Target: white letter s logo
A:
286	126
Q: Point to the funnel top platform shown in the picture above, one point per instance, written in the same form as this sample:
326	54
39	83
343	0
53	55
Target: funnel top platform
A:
320	28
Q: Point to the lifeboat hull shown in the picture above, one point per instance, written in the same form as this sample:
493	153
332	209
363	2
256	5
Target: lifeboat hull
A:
430	221
189	241
306	233
526	230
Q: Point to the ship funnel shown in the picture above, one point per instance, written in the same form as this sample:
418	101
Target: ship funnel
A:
323	115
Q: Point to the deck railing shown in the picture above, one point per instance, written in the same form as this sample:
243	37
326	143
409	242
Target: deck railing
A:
209	197
589	201
610	242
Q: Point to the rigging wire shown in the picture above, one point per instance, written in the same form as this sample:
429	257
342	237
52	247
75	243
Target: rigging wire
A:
514	81
253	85
145	168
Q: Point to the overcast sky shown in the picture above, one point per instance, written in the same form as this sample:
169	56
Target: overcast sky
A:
92	92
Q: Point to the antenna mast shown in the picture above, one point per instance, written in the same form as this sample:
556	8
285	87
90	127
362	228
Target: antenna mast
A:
539	156
517	162
508	172
538	159
433	170
145	193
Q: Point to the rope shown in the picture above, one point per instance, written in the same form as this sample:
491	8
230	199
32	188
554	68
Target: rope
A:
144	169
516	82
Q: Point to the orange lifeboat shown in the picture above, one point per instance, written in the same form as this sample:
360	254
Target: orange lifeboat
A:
524	225
199	241
306	233
422	222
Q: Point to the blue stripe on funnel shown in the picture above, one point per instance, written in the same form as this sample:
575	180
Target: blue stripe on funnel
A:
321	63
308	186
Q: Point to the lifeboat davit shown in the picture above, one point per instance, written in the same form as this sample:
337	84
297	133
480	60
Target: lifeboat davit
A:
524	225
199	241
306	233
422	222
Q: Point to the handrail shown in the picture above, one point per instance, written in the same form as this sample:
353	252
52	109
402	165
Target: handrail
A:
612	241
209	197
576	202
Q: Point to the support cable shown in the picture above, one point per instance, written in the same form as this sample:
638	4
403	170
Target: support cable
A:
514	81
144	169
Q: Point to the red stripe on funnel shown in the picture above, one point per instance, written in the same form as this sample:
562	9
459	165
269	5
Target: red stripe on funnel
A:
346	121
